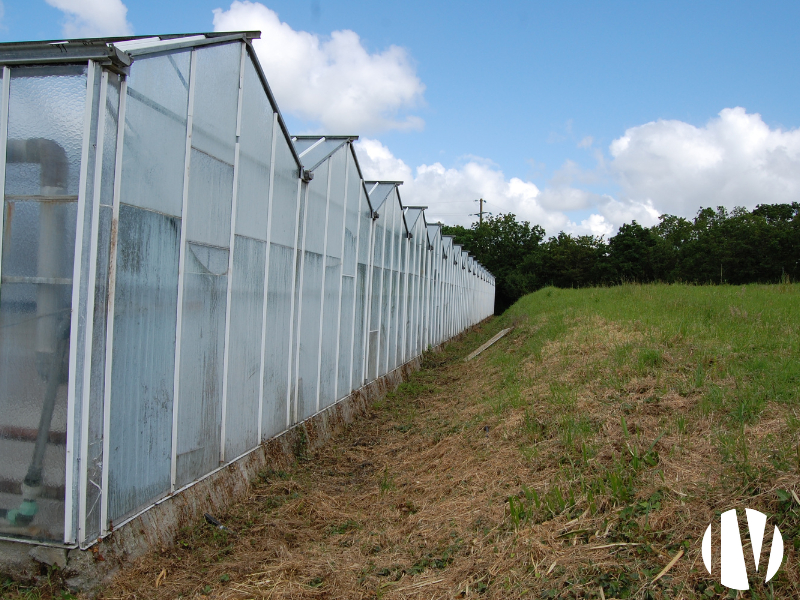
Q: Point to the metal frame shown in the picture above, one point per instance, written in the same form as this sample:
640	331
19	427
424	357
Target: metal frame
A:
69	482
295	293
92	280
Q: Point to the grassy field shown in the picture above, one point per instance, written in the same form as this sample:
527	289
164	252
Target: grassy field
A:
578	457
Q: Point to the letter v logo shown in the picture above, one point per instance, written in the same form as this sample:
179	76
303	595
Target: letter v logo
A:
733	573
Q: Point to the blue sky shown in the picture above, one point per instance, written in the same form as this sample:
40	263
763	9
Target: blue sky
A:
575	115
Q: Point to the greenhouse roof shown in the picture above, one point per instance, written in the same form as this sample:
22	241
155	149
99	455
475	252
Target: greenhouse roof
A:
412	215
115	52
313	150
378	191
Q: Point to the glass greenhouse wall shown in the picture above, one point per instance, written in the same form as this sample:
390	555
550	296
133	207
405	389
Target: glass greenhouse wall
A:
181	279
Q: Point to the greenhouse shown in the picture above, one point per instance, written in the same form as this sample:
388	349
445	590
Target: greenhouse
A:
182	280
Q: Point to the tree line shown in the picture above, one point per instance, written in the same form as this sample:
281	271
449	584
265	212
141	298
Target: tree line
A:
716	246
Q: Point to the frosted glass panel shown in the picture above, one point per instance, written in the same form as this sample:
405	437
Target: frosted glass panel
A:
255	149
244	348
143	358
45	133
345	337
210	196
45	130
284	198
309	335
216	100
202	347
276	359
155	133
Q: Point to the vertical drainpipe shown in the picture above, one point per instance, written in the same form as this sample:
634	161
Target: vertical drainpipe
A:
341	275
275	132
231	274
355	287
324	277
182	270
297	259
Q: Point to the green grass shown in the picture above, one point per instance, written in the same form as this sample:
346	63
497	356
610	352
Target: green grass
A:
591	369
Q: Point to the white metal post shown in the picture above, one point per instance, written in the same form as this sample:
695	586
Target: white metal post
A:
373	224
231	274
262	366
324	277
69	484
300	307
355	288
3	145
112	294
297	249
182	271
342	275
89	335
390	268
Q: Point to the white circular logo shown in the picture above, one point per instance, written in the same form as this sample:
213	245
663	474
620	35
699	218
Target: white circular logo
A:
733	572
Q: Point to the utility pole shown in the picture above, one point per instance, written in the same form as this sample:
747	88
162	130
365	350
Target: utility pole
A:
481	211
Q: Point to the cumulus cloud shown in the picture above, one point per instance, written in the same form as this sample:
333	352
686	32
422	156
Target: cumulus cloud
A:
734	160
333	81
93	18
449	194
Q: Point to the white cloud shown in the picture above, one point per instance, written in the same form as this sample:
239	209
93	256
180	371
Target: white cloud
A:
93	18
734	160
449	193
586	142
334	82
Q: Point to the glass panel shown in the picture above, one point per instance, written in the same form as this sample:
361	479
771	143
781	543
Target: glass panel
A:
333	279
276	359
45	133
205	291
216	100
311	297
319	152
244	347
346	337
255	149
375	300
154	151
309	335
143	359
210	196
362	302
284	198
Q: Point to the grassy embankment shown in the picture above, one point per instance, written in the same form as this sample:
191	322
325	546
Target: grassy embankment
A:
585	450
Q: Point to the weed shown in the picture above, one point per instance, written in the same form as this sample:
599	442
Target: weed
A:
386	483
